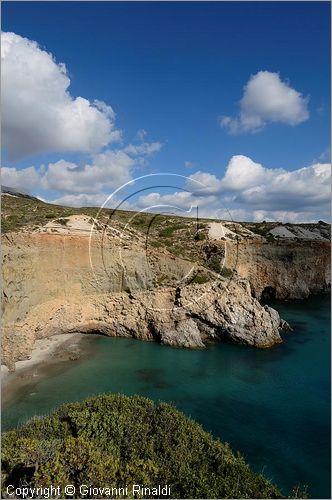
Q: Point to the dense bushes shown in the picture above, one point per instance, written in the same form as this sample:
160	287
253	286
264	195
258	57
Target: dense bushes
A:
116	440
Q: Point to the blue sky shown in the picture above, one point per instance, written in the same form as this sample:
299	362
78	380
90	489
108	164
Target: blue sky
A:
173	70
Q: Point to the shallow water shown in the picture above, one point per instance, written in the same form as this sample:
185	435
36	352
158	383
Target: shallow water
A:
271	405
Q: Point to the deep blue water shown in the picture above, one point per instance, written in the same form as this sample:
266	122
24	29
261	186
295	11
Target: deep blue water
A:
272	405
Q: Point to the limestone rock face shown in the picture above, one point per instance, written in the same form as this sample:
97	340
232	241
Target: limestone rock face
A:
41	267
291	269
218	311
61	283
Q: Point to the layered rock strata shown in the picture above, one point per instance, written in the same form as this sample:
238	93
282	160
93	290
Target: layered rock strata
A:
286	269
68	283
218	311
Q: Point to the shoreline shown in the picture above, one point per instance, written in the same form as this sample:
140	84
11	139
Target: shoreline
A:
47	353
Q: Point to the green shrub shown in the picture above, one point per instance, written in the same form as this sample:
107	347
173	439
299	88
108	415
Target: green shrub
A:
156	244
11	223
161	279
63	222
119	440
200	279
168	231
200	236
226	272
214	263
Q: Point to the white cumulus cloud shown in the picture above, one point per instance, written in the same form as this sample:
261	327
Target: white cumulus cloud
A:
107	170
251	191
267	99
104	172
89	200
38	112
145	149
25	179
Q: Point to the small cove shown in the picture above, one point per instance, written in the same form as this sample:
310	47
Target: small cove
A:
271	405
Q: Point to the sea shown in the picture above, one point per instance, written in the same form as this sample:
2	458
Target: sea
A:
271	405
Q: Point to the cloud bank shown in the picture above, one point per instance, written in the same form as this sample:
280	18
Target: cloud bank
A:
267	99
247	190
40	115
105	171
38	112
250	191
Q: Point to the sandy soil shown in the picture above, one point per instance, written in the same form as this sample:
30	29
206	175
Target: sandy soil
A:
75	224
218	231
46	351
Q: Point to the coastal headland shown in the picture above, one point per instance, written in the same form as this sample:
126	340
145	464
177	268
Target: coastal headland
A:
78	271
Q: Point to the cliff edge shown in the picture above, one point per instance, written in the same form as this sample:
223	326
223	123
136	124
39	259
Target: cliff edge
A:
178	285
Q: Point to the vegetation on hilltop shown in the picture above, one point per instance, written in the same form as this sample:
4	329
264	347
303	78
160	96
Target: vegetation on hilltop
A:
164	231
182	236
24	213
119	440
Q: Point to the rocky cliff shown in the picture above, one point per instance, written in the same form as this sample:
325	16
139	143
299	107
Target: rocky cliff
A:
69	275
282	269
67	283
216	311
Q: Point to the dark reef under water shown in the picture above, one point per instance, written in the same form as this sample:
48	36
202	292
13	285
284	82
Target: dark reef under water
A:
272	405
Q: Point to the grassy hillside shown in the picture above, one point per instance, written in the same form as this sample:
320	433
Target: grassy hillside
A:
182	236
160	231
119	440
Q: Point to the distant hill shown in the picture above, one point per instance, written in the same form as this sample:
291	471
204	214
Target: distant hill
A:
15	192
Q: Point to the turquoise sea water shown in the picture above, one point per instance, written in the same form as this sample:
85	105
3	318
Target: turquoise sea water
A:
271	405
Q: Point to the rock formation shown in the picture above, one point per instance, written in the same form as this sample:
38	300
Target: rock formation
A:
213	311
286	269
50	287
77	280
